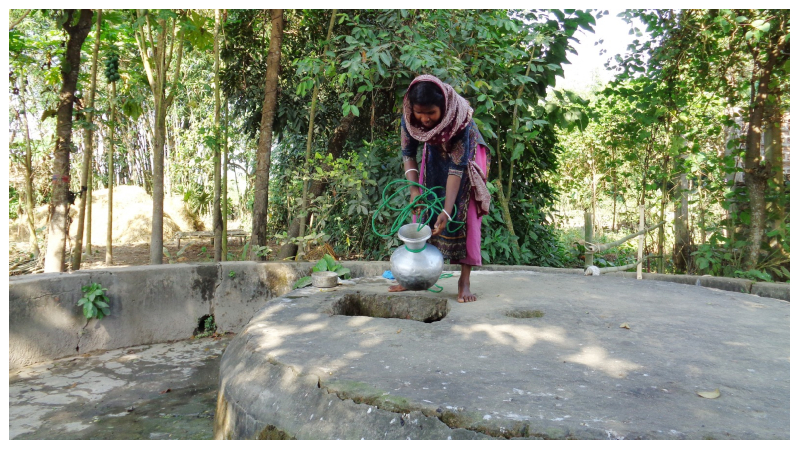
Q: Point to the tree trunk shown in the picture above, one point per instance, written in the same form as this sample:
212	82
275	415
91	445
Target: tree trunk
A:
88	144
614	184
756	174
335	149
773	154
89	189
731	179
682	237
157	231
156	64
110	150
217	213
225	183
505	198
30	210
309	141
59	206
593	173
661	217
264	153
701	204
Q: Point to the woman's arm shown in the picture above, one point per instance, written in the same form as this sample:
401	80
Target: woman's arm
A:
450	193
412	174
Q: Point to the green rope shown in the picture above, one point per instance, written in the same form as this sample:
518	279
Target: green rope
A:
416	251
444	275
427	200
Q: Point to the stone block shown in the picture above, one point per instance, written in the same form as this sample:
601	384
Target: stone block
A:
772	290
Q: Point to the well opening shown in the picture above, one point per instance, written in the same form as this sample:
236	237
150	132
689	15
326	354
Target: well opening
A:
387	306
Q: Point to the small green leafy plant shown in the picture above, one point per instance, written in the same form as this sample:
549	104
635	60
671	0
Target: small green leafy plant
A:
327	263
94	301
261	250
169	256
209	327
232	274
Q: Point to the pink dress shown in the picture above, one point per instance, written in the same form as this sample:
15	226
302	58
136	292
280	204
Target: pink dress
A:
473	223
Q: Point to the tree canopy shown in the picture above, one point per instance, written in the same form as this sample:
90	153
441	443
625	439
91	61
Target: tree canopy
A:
690	125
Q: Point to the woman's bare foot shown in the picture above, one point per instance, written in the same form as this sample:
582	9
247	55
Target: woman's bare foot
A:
464	294
396	288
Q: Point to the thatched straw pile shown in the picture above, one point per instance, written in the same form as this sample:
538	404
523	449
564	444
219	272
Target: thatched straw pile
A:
131	224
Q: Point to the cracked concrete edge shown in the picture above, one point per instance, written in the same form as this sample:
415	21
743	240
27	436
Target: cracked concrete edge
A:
148	305
279	401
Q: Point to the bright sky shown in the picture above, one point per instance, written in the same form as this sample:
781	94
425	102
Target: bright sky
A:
588	64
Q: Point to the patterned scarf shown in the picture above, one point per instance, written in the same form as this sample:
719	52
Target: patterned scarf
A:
456	116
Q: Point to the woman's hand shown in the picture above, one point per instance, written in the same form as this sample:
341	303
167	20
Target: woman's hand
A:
415	195
441	223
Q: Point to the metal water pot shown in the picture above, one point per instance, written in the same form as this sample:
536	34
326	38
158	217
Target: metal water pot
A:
416	265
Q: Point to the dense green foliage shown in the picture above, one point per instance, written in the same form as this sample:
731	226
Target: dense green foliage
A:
682	109
671	131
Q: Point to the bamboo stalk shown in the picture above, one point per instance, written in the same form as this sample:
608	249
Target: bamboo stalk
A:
597	248
641	242
594	270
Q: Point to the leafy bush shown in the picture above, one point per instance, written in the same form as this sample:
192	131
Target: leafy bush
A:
538	242
13	202
723	256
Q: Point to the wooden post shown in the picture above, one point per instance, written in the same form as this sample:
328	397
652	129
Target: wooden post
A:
641	243
589	220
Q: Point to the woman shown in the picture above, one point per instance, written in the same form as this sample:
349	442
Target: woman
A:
454	163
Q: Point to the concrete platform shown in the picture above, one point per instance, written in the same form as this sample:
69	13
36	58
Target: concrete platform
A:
548	356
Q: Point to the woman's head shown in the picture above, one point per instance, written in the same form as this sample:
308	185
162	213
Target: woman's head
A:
427	103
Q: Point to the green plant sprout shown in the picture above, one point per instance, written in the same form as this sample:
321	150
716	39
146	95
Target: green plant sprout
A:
94	301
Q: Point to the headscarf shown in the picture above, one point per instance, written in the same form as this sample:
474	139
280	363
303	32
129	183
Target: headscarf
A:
456	116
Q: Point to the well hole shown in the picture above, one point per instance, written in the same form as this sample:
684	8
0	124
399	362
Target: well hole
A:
410	307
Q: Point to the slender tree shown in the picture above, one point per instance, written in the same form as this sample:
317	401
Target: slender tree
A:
158	55
29	193
77	24
217	214
88	145
264	153
225	181
110	155
309	141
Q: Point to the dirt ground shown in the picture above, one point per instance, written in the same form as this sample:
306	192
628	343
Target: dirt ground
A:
198	250
195	251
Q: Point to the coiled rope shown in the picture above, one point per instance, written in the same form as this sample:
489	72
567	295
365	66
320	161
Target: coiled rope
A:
427	200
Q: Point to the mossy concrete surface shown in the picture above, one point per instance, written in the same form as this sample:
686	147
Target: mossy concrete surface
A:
159	391
607	358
